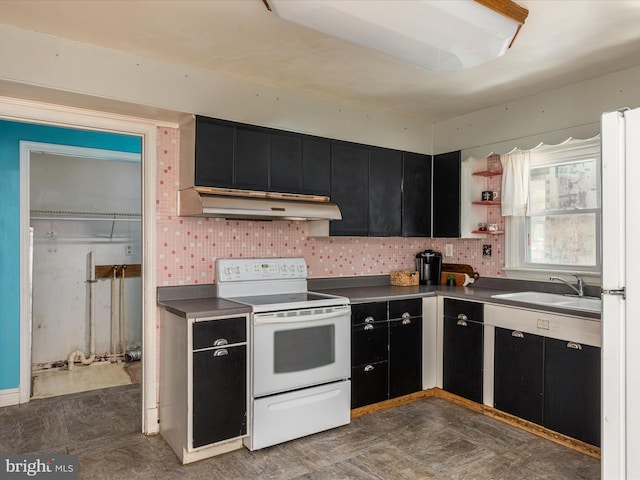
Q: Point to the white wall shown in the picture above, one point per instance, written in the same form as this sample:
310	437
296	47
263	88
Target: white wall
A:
48	61
60	305
549	117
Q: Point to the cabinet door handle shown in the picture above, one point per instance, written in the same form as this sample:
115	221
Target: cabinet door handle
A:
368	327
406	321
462	323
517	334
220	342
221	352
574	345
368	368
406	315
462	316
369	319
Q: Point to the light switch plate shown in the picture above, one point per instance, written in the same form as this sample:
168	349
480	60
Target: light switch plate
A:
448	250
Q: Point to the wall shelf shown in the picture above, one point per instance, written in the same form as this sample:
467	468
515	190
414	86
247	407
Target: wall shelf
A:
488	232
487	173
486	202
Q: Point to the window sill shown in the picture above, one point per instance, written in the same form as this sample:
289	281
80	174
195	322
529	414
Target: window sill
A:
540	274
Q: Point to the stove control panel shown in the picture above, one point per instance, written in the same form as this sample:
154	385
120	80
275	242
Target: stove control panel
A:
250	269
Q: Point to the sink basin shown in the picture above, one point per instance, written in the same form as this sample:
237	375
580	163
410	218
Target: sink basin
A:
586	304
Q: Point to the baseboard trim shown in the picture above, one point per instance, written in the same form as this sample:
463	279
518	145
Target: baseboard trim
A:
10	396
507	418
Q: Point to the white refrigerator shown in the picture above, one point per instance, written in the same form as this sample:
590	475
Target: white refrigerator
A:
621	295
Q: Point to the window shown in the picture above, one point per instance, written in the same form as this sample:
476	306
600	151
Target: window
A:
561	229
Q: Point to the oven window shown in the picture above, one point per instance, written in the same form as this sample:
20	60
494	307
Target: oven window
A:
304	348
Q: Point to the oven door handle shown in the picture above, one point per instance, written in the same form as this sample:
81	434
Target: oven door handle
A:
272	319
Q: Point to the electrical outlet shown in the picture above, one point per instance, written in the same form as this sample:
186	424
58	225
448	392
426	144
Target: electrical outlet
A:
448	250
486	251
128	250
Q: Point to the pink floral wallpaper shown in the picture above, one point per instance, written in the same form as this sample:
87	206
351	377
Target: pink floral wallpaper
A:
187	248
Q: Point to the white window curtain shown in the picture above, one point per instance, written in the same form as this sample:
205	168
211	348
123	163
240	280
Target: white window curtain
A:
515	182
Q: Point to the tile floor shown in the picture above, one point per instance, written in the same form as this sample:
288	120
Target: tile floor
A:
428	439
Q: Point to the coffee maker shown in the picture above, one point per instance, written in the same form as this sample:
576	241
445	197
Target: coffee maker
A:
429	265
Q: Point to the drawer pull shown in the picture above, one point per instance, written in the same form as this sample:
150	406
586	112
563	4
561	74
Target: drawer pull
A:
574	345
369	319
406	321
406	315
461	323
368	327
368	368
517	334
220	342
462	316
221	352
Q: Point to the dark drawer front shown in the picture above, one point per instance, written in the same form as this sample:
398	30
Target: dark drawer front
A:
472	310
212	333
412	306
363	312
369	343
369	384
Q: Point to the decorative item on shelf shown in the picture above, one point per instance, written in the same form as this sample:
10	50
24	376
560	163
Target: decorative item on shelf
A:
488	196
404	278
492	227
482	227
451	280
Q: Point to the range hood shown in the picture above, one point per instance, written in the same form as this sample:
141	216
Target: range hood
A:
250	205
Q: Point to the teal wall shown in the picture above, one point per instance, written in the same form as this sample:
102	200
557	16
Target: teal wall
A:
11	133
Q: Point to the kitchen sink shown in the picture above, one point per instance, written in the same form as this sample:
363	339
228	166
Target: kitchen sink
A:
586	304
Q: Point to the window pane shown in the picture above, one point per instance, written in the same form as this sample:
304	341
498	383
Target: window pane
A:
568	186
563	239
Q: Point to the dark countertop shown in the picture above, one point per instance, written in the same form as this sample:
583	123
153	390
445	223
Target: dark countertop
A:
199	301
479	294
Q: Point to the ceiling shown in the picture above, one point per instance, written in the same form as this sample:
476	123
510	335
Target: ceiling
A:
562	41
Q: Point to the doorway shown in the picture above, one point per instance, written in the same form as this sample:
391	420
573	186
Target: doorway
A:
85	223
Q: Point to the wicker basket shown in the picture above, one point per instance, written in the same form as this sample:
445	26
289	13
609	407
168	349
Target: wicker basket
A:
404	278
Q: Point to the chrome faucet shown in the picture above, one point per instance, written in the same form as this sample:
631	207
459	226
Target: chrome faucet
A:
579	289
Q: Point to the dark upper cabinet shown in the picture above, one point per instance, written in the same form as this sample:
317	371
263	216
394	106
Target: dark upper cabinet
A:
350	188
214	153
316	166
446	195
416	195
285	166
252	159
385	192
518	373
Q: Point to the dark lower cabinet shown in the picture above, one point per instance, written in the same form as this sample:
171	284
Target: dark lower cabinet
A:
405	356
219	394
203	384
518	374
369	362
463	340
572	383
369	384
550	382
386	355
